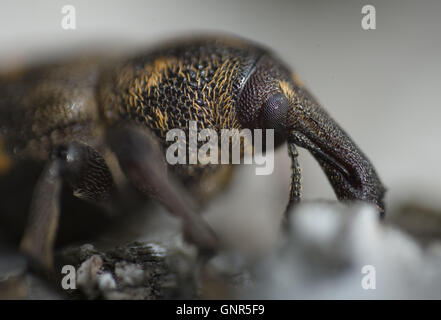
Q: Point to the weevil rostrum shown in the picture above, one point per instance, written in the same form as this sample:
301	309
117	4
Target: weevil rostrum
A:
72	116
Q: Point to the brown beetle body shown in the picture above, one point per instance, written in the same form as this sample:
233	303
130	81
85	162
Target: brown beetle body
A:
54	104
222	83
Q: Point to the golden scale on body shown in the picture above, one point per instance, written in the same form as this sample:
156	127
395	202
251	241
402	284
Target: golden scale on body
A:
88	121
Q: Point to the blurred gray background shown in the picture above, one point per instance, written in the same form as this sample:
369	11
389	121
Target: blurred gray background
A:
382	86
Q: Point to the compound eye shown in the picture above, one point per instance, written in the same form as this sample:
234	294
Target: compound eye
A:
274	113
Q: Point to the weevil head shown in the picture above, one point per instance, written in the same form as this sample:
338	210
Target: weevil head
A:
262	103
274	98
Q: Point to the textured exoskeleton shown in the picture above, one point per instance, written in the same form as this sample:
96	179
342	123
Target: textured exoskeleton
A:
71	115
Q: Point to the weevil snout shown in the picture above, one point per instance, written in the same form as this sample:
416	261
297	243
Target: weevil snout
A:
350	173
274	99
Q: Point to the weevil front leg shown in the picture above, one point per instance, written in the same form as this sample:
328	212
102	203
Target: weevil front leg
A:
84	169
142	161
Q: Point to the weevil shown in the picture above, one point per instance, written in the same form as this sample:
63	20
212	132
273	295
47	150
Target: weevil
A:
76	115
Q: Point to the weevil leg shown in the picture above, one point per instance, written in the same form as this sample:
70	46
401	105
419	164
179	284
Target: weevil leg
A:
142	161
83	168
39	236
